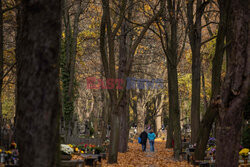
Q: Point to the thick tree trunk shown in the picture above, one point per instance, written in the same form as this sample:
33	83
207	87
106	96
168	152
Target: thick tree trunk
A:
212	113
124	125
123	106
38	106
1	68
174	129
174	108
196	84
170	128
235	88
114	137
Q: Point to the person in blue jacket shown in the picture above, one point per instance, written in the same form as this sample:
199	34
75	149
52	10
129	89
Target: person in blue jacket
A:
151	138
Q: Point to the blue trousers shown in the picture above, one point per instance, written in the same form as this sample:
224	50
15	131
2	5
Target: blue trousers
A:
152	148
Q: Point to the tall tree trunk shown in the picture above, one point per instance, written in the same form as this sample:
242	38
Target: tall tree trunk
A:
123	106
195	43
204	92
133	105
196	84
38	106
159	111
158	120
115	134
105	113
68	64
212	113
124	125
174	108
171	41
235	88
1	69
170	127
74	49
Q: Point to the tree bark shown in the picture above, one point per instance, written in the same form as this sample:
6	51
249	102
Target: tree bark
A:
68	64
171	53
158	120
141	113
133	105
195	43
174	108
1	69
105	113
38	106
124	106
204	93
115	134
212	113
235	88
124	125
170	130
196	84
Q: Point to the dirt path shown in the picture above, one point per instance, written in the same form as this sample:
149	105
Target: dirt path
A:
136	158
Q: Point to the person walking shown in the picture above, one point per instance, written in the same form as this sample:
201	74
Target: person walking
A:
151	138
144	137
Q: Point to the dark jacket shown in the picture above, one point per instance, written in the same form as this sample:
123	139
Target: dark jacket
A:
143	137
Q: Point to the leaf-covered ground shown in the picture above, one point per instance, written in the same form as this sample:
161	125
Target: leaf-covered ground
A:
135	157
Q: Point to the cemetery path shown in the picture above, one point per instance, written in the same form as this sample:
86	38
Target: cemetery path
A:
136	158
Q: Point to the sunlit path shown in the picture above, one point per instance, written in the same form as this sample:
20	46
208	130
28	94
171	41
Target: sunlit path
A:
135	157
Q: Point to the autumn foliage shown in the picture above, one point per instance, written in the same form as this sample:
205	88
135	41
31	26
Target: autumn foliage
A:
162	157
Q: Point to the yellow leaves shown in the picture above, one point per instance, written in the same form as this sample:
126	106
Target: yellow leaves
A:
63	35
134	98
147	7
147	10
8	152
114	25
87	34
140	50
244	151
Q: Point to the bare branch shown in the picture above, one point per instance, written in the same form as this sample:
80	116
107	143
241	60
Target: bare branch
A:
204	42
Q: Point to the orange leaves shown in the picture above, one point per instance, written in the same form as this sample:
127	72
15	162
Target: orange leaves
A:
136	158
